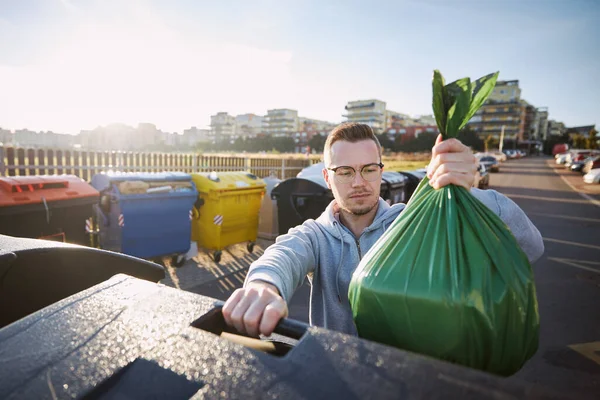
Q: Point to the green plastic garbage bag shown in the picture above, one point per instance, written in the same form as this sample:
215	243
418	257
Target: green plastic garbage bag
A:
448	278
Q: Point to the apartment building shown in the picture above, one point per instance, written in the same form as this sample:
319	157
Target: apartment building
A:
222	125
555	128
249	125
540	124
281	122
6	137
192	136
370	112
503	109
314	125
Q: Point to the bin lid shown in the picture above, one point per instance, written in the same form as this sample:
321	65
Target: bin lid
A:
315	169
103	180
393	178
20	190
225	181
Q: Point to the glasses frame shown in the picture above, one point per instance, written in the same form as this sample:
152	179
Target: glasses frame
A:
380	165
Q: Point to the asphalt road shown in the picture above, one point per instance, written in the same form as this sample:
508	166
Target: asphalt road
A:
567	276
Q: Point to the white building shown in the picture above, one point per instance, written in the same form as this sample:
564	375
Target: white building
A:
6	137
555	128
281	122
370	112
540	124
314	125
249	125
222	125
191	137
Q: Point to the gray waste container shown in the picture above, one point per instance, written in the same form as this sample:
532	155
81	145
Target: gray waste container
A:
131	339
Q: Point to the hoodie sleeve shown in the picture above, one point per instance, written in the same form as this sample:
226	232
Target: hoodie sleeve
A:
527	235
286	263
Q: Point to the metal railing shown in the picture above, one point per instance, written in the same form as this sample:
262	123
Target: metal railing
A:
84	164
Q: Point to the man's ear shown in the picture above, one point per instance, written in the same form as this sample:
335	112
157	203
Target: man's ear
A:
326	177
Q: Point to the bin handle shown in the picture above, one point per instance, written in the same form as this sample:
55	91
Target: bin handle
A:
290	328
99	211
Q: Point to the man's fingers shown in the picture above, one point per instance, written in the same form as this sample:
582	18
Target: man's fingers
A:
237	315
255	312
449	146
445	158
230	305
463	179
271	316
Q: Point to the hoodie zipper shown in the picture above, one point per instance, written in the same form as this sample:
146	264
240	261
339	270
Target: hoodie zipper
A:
358	246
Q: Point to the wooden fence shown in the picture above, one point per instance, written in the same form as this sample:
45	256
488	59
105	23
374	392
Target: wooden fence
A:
23	161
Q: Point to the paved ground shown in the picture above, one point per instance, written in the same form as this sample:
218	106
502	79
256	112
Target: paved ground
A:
567	276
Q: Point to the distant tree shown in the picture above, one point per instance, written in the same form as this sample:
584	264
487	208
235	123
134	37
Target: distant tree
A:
490	143
385	141
317	142
470	138
592	140
580	141
423	142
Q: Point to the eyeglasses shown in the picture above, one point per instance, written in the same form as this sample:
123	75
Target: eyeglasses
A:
369	172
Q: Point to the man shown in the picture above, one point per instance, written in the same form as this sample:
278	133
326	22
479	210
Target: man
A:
329	249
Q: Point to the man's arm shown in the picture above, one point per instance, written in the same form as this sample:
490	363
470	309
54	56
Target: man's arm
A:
271	281
527	235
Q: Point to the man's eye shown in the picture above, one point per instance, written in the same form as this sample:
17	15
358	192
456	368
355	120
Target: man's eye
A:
344	172
370	170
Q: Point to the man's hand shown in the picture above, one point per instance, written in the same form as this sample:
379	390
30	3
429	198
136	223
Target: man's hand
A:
255	309
451	163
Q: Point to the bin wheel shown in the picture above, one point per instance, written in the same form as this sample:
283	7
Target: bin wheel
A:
217	256
250	247
178	260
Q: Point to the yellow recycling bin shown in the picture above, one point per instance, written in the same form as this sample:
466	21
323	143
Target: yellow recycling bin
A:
227	210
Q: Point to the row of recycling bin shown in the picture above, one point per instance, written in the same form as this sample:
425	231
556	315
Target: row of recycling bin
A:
156	215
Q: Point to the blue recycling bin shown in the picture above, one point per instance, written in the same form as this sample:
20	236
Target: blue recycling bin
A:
145	215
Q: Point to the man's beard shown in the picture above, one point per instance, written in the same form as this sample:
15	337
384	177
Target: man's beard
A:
360	210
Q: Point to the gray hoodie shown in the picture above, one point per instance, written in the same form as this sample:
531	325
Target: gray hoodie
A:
328	252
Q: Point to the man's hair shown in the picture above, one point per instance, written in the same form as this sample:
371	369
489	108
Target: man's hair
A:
351	132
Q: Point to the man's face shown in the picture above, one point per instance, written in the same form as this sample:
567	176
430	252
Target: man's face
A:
359	196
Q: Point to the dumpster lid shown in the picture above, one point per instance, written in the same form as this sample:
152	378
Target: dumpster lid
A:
103	180
221	181
315	169
393	177
21	190
20	184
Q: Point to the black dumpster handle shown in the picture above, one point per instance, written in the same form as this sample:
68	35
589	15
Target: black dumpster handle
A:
290	328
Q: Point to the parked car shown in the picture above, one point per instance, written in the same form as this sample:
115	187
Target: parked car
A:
578	165
500	156
578	155
561	158
559	148
591	163
491	164
593	176
482	178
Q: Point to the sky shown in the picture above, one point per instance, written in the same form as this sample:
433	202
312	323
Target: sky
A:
71	65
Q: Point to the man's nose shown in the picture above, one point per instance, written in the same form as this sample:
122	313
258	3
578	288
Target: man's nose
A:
358	180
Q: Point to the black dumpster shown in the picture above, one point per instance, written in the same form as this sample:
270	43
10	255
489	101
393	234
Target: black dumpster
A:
395	187
131	339
50	207
414	178
37	273
299	199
